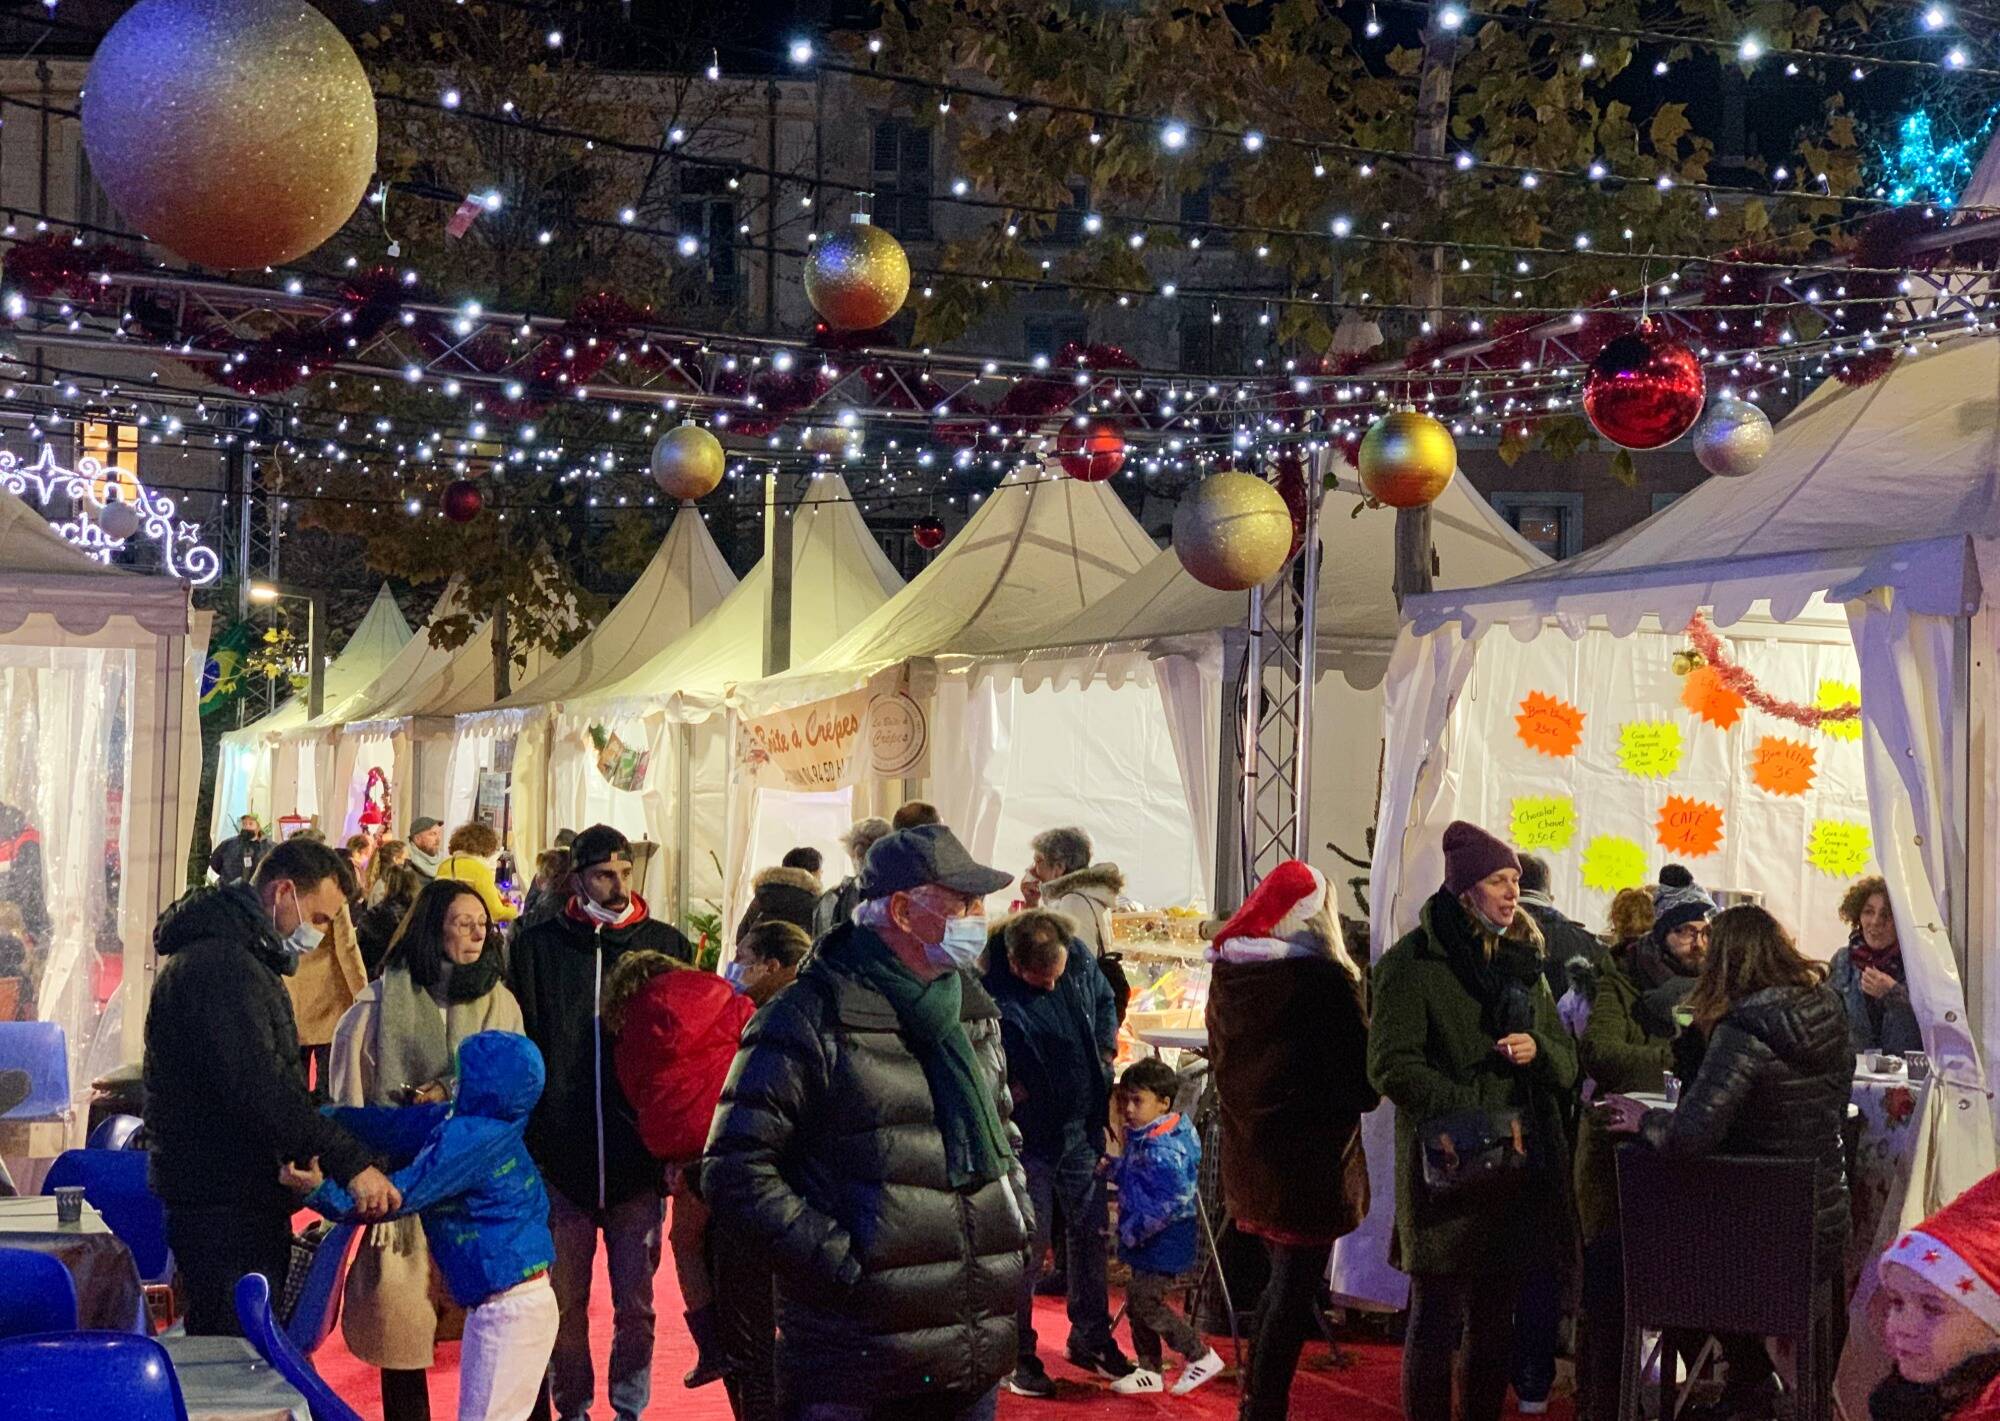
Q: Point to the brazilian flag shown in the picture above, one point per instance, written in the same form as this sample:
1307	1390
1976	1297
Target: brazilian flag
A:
222	674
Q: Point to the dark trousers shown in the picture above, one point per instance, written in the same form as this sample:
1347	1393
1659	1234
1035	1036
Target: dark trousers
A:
1072	1182
1537	1331
1600	1337
214	1246
1154	1320
1284	1322
1461	1326
406	1395
745	1319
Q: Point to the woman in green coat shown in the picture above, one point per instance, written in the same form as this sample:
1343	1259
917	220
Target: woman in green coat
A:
1464	1022
1628	1046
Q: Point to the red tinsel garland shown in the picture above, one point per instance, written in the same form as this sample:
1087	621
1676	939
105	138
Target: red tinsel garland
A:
1745	685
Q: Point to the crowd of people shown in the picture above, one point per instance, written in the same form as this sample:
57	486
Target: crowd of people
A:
882	1112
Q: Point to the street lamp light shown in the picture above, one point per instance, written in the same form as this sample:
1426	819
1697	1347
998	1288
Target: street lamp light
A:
267	593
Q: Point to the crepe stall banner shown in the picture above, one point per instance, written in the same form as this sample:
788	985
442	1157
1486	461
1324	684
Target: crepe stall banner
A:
869	734
1549	726
1543	822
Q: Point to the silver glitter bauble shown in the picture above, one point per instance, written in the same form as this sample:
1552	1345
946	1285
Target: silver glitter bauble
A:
1732	438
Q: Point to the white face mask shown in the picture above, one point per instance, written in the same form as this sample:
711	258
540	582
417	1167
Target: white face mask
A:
598	913
304	938
960	946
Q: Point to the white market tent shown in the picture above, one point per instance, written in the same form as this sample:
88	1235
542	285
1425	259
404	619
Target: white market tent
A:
1040	549
1162	627
684	580
1867	538
671	707
100	671
244	760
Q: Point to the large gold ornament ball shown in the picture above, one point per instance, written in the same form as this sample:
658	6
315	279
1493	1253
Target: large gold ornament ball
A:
687	462
235	133
1406	459
1233	532
858	278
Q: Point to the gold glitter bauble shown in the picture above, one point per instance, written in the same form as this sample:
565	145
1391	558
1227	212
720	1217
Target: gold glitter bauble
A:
858	278
1233	532
1406	459
687	462
235	133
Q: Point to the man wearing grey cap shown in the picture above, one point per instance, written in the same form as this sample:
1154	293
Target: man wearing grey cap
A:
421	848
863	1138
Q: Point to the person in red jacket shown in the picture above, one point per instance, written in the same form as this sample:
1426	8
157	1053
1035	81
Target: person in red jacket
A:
676	1030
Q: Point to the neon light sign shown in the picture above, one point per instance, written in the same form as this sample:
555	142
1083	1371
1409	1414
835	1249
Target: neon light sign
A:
139	513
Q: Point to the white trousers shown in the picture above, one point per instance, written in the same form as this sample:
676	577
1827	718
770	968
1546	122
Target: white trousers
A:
508	1339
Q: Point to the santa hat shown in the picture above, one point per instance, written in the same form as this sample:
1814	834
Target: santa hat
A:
1272	921
1957	1251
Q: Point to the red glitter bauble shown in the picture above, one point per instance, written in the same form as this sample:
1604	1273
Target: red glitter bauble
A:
1644	390
462	501
1092	455
929	533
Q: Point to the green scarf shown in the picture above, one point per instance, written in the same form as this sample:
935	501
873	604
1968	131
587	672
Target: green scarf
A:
975	1143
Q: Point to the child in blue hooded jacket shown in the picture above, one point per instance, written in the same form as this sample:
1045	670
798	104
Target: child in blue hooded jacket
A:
484	1210
1156	1178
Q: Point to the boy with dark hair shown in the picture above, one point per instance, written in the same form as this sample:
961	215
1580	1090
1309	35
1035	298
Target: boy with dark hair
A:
767	958
803	857
1156	1178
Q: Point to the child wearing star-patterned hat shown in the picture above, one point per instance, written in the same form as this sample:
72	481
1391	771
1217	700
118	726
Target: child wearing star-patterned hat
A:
1939	1314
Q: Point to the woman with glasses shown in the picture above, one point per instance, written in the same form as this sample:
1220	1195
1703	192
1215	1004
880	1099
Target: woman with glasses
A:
397	1045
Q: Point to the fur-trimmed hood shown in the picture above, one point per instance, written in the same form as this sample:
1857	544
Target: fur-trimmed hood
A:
788	878
1101	881
789	894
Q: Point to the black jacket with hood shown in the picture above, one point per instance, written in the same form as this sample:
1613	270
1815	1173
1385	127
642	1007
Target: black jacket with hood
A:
1059	1048
1774	1082
825	1149
584	1134
226	1101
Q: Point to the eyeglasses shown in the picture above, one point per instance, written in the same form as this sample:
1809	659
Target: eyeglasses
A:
467	925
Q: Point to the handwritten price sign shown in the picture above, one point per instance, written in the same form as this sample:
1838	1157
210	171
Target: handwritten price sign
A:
1783	766
1839	848
1832	696
1612	862
1690	827
1711	699
1549	726
1543	822
1649	749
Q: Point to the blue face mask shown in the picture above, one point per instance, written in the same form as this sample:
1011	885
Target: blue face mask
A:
732	973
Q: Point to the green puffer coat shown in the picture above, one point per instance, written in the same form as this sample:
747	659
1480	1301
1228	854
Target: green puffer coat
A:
1430	1052
1620	1056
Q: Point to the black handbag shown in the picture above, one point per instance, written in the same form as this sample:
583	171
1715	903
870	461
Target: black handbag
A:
1473	1153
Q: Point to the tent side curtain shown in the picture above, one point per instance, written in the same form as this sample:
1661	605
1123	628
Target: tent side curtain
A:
1938	576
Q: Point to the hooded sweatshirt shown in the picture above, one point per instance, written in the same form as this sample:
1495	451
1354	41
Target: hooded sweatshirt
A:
485	1212
584	1134
225	1099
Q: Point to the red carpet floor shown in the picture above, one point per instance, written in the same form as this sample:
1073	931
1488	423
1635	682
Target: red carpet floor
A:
1361	1385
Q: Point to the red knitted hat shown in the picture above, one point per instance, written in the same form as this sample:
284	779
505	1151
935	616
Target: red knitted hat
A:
1957	1250
1278	907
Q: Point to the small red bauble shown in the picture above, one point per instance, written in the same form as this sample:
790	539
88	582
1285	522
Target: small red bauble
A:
1092	455
929	533
1644	389
462	501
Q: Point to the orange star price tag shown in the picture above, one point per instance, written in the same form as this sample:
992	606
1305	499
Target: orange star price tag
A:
1690	827
1549	726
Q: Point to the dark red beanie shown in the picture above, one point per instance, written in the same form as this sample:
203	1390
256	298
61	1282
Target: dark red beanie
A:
1471	854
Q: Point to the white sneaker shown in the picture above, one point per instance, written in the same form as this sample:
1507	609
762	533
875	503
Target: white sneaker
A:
1139	1381
1204	1368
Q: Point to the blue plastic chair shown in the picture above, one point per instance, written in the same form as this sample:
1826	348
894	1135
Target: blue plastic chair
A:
253	1311
115	1132
114	1181
36	1294
66	1375
40	1049
318	1307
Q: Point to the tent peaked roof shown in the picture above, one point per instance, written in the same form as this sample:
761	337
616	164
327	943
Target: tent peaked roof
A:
1880	486
382	634
839	577
413	666
685	581
1041	548
1357	620
41	572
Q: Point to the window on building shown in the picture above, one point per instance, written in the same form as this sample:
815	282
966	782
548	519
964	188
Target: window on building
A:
1209	346
93	204
706	210
1198	204
1553	522
1047	335
115	449
902	178
1069	219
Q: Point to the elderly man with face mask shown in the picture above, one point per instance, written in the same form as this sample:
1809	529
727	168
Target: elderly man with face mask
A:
226	1102
863	1138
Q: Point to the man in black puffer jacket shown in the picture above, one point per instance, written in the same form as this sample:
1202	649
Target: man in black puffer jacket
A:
584	1135
226	1102
863	1137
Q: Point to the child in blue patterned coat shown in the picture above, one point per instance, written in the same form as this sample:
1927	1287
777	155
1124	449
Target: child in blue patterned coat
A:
1156	1179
